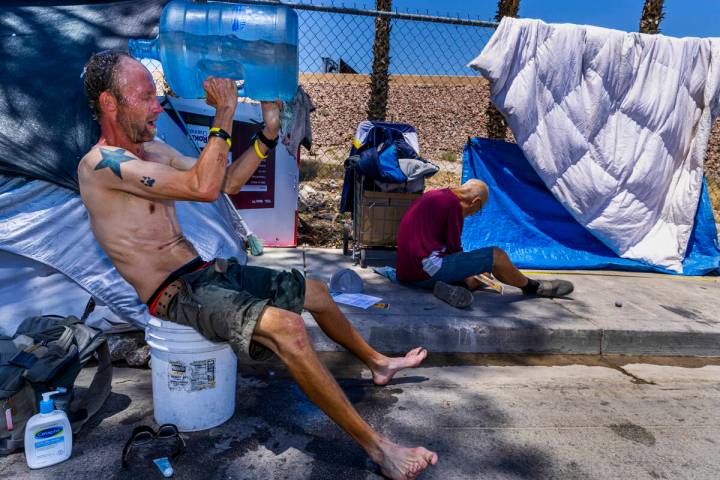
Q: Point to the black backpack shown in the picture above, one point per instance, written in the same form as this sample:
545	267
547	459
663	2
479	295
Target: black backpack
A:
46	353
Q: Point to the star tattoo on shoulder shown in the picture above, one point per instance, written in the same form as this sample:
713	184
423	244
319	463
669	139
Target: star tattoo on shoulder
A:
149	181
112	159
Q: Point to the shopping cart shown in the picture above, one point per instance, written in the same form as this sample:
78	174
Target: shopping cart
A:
377	188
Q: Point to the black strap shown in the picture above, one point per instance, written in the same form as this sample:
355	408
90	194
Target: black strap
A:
87	403
89	308
219	132
270	144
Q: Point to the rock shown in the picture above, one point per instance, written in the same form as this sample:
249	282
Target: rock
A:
307	190
618	303
121	344
129	347
308	197
138	357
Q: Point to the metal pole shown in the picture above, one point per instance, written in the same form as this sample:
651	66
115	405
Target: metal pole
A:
372	13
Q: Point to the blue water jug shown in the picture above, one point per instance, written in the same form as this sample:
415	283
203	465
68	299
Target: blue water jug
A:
253	43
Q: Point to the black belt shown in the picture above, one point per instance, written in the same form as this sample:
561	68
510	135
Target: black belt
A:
160	299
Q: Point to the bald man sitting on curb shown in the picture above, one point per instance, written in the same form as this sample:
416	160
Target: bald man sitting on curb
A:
429	253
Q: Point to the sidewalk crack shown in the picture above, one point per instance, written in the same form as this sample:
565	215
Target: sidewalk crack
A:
635	379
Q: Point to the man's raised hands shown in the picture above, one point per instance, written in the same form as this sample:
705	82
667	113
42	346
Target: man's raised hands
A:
221	93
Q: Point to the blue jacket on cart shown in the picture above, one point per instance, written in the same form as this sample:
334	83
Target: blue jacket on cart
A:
384	153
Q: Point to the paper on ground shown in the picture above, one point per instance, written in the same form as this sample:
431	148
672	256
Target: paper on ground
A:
356	299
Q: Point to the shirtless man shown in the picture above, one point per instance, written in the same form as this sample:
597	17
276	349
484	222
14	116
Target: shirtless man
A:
129	183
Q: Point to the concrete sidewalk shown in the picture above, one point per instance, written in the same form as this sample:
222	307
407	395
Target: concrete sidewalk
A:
501	419
659	314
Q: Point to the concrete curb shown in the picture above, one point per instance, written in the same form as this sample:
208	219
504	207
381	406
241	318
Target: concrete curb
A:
609	313
662	343
467	338
397	335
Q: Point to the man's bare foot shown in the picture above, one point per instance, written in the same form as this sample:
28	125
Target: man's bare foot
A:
385	371
400	463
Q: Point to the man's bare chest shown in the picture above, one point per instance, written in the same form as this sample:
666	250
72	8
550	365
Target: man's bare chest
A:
140	206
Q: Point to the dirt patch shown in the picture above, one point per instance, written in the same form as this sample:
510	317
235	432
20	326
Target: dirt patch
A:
634	433
319	222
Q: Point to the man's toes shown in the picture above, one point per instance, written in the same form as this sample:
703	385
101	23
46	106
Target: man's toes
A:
414	351
420	465
431	458
418	468
415	356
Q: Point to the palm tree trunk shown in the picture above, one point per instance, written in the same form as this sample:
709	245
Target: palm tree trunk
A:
380	78
496	126
652	15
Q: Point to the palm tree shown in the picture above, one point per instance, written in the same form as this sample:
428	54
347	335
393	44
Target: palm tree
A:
652	15
496	126
380	79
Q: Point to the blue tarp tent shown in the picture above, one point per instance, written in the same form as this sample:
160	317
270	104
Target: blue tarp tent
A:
524	218
45	122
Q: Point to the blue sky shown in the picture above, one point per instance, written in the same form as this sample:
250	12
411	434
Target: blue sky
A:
682	17
423	48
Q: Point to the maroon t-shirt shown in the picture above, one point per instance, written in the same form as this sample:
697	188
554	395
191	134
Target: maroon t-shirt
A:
432	224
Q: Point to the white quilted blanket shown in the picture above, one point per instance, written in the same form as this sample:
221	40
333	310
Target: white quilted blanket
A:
616	124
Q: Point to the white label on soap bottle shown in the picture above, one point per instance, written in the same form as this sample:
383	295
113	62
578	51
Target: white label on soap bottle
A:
49	441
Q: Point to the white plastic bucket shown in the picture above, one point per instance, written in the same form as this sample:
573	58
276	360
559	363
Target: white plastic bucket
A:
193	379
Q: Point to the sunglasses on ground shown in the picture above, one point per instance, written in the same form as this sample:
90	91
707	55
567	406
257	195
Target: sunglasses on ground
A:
144	436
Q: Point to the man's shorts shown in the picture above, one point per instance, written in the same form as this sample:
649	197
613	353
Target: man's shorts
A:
458	266
226	306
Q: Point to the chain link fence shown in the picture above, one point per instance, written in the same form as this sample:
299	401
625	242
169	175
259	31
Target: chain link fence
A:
430	87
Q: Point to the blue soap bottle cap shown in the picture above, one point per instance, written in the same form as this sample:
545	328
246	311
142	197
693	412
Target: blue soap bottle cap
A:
46	404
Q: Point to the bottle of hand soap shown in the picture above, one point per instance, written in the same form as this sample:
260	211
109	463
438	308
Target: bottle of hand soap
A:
48	435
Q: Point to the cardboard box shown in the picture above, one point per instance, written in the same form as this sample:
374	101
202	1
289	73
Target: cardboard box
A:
380	217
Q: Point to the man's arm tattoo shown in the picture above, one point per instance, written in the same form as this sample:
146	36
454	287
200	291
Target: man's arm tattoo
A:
149	181
112	159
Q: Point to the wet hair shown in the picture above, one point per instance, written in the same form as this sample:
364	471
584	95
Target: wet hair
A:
100	75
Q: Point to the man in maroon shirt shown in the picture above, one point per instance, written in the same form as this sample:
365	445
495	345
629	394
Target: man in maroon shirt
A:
430	255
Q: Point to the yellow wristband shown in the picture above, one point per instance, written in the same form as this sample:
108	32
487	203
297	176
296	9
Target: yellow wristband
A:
220	133
257	150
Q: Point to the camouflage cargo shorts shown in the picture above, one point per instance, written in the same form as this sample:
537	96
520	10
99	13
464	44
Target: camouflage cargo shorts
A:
225	306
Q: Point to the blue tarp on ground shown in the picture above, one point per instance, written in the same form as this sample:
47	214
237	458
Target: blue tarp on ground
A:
524	218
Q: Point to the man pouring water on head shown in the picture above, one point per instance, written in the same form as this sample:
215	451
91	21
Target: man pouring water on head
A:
129	182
